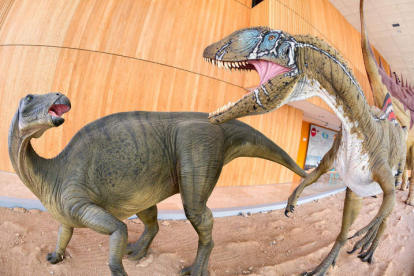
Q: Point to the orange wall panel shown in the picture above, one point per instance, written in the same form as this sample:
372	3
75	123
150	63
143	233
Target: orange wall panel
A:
303	144
172	33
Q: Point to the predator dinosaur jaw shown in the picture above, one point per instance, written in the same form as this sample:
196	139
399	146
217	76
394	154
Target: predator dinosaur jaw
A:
267	70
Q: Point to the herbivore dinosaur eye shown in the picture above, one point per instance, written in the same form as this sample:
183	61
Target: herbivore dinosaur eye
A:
271	37
29	98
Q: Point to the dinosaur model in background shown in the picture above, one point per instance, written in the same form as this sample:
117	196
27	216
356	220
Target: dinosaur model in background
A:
124	164
369	149
402	98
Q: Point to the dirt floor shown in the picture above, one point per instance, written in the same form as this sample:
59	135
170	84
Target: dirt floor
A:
261	244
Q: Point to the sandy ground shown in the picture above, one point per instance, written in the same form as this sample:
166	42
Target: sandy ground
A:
262	244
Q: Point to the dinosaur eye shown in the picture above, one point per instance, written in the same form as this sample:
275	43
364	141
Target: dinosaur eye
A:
272	37
29	98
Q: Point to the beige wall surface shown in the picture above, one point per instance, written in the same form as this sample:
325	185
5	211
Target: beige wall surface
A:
112	56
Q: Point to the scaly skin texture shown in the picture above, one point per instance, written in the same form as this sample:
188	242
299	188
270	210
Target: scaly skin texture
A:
368	151
124	164
382	84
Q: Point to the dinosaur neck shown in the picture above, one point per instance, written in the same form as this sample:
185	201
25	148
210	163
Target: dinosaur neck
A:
26	162
325	74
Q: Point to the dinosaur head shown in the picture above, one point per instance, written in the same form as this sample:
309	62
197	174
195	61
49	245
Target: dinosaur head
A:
271	53
37	113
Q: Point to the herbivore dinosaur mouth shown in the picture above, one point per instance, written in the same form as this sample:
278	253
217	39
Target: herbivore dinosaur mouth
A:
57	109
266	70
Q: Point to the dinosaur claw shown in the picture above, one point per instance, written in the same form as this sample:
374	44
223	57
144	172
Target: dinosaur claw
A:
292	209
352	237
333	263
286	213
352	251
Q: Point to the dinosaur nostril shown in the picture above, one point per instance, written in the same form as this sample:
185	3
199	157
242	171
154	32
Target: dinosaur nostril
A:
57	94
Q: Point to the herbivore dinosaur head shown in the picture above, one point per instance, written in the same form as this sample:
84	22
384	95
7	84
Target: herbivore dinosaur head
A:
269	52
38	113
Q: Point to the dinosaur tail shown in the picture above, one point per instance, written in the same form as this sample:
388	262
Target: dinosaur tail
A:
370	63
244	141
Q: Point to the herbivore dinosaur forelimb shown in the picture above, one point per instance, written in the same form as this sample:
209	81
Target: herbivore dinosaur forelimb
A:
371	148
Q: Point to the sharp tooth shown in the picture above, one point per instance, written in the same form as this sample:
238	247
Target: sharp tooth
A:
226	65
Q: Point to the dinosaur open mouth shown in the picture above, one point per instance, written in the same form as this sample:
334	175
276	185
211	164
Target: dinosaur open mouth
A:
58	108
266	70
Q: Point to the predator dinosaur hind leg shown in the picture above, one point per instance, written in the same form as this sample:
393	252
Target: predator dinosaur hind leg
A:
375	229
351	211
64	236
410	162
139	249
324	166
410	199
403	186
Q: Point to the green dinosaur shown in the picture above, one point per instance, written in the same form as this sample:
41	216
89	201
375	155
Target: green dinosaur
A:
124	164
369	149
381	84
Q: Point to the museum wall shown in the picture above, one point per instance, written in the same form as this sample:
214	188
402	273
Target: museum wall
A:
112	56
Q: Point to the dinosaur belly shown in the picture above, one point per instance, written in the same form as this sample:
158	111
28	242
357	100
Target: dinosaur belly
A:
353	167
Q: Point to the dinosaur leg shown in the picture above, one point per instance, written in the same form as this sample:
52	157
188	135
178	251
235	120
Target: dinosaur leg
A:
375	229
202	220
64	236
352	208
196	185
139	249
410	199
404	179
325	165
103	222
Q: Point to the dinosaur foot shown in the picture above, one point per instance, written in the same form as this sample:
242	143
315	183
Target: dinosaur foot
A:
117	270
410	201
194	271
136	251
365	242
321	269
54	258
330	260
289	209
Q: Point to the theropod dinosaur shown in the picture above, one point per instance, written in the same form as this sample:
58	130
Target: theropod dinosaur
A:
124	164
369	149
402	98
